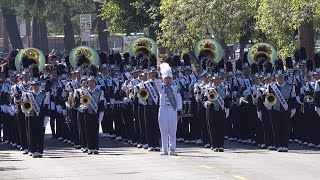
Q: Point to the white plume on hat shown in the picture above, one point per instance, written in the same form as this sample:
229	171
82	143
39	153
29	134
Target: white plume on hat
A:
165	70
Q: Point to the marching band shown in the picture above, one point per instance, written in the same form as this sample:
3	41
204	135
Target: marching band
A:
262	101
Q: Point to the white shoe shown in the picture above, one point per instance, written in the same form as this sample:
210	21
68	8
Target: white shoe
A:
173	153
199	141
6	141
119	138
318	146
135	144
164	154
14	145
139	146
296	141
150	149
186	141
157	149
18	146
145	146
192	141
262	146
130	141
305	144
284	149
35	154
310	145
207	146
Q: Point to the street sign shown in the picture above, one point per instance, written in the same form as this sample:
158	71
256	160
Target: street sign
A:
85	21
85	35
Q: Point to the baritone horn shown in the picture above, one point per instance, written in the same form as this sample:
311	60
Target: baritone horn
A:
26	107
85	100
271	99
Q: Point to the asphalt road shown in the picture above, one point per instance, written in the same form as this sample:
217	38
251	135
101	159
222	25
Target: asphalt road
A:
119	160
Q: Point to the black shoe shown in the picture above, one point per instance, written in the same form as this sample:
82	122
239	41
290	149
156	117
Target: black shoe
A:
95	152
221	150
90	152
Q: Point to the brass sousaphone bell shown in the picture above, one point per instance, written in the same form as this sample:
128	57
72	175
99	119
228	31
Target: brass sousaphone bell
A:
262	50
91	56
210	49
35	56
145	45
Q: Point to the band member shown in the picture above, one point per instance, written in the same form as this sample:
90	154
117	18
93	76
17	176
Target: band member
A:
152	107
283	109
92	104
35	107
217	110
170	103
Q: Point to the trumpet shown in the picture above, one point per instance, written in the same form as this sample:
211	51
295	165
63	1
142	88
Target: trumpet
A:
271	99
85	100
212	96
309	99
143	94
26	107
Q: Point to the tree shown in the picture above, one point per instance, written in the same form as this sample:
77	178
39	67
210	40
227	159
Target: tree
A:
9	14
131	16
281	20
102	29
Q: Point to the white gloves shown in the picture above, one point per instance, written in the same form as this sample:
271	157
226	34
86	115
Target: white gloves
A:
45	121
64	112
293	112
227	110
101	114
207	104
267	106
4	108
126	100
259	113
318	110
82	108
59	109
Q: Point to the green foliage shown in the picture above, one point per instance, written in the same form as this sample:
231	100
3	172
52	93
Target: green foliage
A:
131	16
280	20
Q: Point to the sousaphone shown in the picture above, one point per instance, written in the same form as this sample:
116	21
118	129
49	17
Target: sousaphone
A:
145	45
210	49
262	50
34	55
91	56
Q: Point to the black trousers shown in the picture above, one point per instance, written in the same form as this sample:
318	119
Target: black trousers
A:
22	130
92	130
6	127
142	124
281	127
105	123
36	131
119	120
54	130
152	125
136	136
75	128
267	128
127	114
82	130
216	124
204	127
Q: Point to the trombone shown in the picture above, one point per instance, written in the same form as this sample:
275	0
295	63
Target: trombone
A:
212	96
26	107
85	100
143	95
271	99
